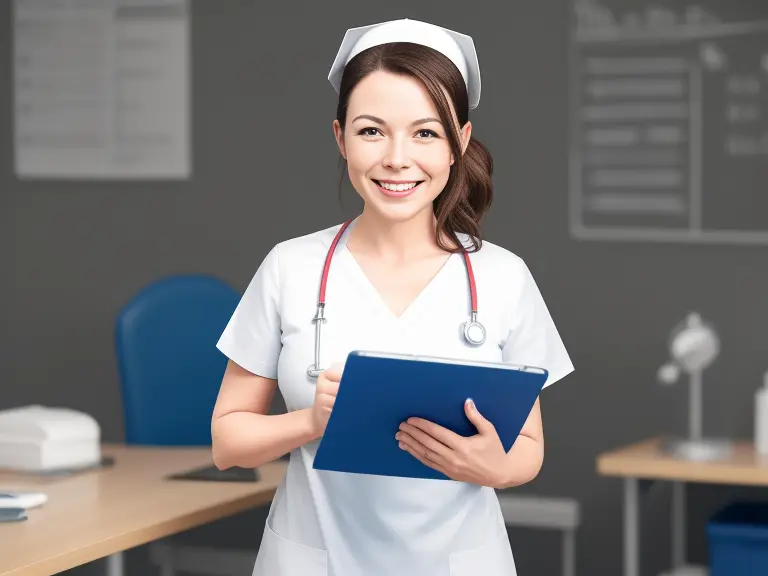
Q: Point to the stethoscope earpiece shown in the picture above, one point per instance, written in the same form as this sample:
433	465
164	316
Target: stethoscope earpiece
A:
474	331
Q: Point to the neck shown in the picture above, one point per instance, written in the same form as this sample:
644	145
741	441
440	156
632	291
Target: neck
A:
384	238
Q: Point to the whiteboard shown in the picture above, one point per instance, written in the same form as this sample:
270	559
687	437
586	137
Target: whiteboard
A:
669	121
101	89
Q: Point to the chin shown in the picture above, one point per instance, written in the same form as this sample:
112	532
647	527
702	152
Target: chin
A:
398	209
399	212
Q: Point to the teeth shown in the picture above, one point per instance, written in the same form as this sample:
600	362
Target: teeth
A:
398	187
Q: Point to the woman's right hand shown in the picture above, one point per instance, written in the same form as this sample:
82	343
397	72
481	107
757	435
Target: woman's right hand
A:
325	396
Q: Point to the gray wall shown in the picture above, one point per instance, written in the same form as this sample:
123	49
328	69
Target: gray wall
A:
73	252
7	253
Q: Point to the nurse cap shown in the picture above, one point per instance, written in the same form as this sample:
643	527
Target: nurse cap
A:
459	48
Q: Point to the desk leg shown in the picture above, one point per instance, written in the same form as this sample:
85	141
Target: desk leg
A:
678	525
631	527
569	553
115	564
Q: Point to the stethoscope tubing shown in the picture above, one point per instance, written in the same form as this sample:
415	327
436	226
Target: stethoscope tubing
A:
319	319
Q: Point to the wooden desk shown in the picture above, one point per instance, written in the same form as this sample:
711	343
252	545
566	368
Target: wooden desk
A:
646	461
101	512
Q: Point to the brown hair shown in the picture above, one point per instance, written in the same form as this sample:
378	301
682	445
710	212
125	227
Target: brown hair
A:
467	195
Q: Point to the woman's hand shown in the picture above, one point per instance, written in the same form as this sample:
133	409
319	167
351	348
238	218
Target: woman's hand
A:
479	459
325	395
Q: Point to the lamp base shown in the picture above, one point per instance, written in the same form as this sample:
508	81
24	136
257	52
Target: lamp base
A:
706	449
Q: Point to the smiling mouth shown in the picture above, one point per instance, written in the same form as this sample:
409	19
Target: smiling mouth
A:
402	189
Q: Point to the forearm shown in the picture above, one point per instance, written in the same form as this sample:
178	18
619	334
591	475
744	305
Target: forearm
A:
523	462
248	440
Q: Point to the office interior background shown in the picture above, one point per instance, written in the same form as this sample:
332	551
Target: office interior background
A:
265	167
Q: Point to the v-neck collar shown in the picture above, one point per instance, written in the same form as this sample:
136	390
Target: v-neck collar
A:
370	293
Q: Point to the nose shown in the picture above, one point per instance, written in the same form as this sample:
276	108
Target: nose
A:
397	156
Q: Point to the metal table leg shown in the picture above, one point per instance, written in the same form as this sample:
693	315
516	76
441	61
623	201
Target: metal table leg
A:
115	564
569	553
631	527
678	525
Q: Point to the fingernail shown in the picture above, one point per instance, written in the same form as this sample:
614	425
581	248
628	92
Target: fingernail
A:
400	444
470	402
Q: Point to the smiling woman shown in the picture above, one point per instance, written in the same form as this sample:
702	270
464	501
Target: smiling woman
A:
402	127
397	278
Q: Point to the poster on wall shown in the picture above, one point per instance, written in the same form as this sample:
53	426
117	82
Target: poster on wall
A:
669	121
101	89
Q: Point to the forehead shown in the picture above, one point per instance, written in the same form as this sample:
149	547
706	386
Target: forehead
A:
392	95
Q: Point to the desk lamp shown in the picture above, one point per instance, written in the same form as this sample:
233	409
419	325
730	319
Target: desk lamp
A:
693	346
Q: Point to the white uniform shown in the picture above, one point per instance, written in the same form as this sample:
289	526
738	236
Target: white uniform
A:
334	524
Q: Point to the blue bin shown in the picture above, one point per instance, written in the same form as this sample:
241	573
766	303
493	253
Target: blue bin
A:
738	540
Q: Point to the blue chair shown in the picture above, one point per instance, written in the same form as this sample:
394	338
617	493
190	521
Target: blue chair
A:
165	339
170	372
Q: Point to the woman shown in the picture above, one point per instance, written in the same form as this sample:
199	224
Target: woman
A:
397	282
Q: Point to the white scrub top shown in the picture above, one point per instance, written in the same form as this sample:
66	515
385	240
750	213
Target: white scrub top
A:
324	523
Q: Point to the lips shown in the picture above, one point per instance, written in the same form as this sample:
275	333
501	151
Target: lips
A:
397	193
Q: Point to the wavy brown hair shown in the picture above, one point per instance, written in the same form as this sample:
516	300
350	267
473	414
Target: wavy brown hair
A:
467	195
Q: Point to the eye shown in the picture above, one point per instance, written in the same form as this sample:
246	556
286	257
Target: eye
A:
430	133
365	132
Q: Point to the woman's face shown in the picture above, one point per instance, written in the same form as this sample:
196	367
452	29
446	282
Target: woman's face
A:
397	150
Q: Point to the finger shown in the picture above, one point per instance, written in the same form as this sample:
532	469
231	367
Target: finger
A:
334	371
443	435
326	400
425	439
423	451
424	460
483	425
325	386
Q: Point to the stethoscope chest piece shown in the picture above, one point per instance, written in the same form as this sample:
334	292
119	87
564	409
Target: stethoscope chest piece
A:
474	332
314	372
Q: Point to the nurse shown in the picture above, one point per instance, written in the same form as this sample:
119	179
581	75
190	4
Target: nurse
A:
396	280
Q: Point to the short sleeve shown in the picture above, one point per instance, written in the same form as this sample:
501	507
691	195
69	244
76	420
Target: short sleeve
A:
533	339
252	337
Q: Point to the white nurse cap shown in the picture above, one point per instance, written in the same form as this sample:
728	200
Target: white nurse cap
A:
459	48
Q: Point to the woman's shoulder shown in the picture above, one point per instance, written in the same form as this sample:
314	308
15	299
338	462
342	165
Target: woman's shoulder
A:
307	245
495	257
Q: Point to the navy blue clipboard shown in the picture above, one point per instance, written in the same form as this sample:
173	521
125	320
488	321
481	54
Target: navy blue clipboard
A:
379	391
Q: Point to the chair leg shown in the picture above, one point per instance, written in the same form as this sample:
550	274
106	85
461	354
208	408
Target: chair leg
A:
569	553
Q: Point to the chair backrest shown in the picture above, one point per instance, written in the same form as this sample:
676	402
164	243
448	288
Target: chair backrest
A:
169	367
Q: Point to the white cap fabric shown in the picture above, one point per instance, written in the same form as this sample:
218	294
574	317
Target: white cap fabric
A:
459	48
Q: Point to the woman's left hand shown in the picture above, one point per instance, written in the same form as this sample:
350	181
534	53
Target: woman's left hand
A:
479	459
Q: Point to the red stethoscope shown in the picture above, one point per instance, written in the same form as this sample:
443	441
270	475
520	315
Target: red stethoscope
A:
474	331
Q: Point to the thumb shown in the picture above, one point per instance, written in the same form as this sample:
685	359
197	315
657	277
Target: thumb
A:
334	371
483	426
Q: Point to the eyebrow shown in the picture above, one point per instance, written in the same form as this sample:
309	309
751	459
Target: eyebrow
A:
383	123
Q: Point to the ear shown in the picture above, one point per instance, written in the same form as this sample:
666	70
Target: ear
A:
464	135
339	135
